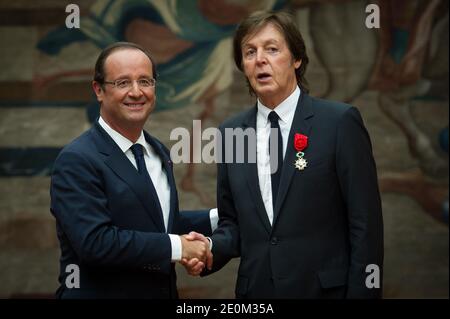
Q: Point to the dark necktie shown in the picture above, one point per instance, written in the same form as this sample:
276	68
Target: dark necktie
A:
278	162
138	153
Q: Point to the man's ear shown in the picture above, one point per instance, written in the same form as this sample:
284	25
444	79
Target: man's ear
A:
297	63
98	89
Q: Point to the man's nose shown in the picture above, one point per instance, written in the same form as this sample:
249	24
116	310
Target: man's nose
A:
261	57
135	90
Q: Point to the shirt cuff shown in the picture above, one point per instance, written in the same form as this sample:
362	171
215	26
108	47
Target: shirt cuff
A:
214	218
175	242
210	243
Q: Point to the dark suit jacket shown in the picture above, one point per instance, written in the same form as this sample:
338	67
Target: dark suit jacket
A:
327	221
109	223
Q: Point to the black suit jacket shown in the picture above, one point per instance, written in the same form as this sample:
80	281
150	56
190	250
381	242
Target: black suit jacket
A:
110	225
327	221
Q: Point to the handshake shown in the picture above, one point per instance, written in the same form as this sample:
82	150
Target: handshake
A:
196	253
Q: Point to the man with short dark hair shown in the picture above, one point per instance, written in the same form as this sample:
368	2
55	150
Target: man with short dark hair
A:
114	196
311	226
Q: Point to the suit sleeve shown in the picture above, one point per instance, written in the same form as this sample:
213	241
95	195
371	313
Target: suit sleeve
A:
194	220
78	202
357	174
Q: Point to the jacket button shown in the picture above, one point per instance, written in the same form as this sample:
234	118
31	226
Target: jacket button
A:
274	241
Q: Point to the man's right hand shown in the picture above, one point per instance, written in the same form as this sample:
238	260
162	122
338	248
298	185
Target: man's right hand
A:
192	248
194	266
209	256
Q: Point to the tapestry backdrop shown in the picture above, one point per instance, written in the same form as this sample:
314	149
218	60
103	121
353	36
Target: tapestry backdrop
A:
396	74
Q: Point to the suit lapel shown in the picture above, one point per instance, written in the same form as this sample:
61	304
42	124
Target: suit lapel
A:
119	163
251	171
300	124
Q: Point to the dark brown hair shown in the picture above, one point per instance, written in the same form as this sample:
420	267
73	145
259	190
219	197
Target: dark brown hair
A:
288	28
99	75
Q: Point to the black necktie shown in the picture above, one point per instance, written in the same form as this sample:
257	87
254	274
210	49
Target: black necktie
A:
275	163
138	153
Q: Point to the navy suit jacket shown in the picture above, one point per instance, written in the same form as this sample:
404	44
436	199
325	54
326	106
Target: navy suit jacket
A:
327	223
110	225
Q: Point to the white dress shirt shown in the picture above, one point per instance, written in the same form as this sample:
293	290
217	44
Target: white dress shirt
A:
285	111
159	179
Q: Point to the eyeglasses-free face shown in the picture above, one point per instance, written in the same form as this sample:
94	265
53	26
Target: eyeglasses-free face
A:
269	65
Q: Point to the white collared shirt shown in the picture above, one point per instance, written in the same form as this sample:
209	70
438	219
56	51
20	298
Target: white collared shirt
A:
285	111
156	172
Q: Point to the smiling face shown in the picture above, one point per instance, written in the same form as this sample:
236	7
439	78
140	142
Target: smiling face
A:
269	65
126	110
